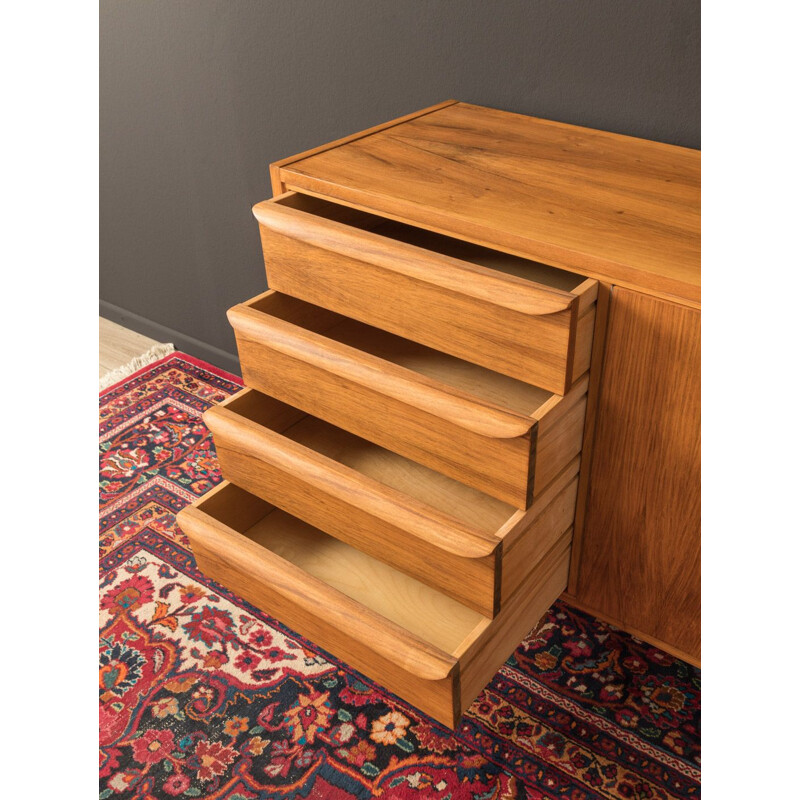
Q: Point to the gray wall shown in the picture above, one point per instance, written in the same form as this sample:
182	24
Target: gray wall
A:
198	96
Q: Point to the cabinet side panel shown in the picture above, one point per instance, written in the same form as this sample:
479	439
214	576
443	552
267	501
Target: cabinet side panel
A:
640	559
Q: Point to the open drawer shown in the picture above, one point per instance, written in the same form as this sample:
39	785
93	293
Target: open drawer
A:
469	546
504	437
512	315
432	651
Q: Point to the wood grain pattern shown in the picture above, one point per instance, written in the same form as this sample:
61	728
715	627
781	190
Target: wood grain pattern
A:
560	434
258	563
616	208
544	531
640	560
412	640
512	325
587	445
358	367
276	166
233	506
436	420
416	520
411	604
403	256
401	661
584	330
464	377
516	526
498	640
409	533
434	487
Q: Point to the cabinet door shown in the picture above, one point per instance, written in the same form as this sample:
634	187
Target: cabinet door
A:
640	550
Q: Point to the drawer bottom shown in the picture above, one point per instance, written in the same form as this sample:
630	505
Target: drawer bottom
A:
419	643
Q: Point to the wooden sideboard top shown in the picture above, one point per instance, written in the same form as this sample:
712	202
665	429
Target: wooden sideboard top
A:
623	210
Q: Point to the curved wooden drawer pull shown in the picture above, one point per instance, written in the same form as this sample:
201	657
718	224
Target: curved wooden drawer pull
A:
257	565
482	283
420	520
367	370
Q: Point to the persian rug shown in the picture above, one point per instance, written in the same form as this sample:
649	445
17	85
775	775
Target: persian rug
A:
203	695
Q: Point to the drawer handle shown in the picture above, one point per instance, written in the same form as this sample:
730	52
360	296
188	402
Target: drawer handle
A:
344	483
369	371
463	277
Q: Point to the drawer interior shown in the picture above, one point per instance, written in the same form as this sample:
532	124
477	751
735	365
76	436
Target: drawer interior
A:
412	605
421	483
463	376
446	245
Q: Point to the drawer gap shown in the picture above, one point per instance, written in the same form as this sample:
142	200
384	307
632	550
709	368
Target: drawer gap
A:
472	379
515	266
463	376
426	485
445	494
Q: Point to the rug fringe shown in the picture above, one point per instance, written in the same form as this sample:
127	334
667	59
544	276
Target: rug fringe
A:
120	373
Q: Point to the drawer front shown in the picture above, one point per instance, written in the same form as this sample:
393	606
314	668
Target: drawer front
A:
403	663
465	544
515	326
440	668
506	453
427	543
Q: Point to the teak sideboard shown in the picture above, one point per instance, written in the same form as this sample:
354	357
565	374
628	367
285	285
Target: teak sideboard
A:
472	386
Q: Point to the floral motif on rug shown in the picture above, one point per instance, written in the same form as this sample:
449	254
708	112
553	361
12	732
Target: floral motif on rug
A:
203	695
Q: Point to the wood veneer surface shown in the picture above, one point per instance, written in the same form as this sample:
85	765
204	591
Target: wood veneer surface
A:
438	619
617	208
640	550
492	387
509	324
417	481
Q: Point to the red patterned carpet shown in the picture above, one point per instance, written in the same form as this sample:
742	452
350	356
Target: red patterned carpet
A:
202	695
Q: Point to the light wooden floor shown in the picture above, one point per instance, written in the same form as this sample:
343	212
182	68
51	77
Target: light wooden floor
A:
119	345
